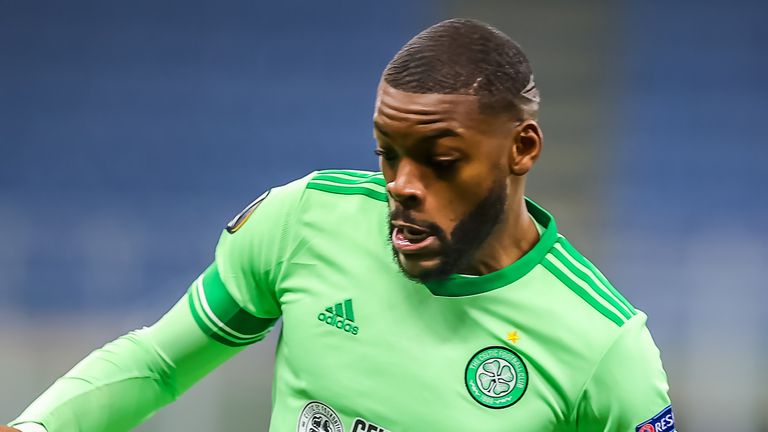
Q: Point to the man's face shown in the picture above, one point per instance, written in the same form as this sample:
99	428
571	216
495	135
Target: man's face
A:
446	168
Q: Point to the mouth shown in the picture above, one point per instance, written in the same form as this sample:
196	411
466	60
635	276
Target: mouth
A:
409	239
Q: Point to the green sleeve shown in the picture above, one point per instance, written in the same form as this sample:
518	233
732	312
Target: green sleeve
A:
235	300
122	384
628	386
232	304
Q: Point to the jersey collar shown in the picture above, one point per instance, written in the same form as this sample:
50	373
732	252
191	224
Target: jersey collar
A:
462	285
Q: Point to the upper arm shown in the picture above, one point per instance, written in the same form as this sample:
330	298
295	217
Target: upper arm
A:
628	386
235	301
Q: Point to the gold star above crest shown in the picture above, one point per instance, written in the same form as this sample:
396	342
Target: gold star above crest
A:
513	336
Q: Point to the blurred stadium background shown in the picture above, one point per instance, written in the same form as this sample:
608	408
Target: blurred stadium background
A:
131	132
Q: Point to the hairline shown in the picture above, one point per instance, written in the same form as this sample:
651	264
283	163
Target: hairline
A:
521	111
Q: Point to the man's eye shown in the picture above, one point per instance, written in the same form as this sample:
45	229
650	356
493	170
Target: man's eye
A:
386	155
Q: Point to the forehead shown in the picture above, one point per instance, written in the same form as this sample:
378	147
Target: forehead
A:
397	109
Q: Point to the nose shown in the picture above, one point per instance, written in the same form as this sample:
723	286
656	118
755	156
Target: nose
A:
407	188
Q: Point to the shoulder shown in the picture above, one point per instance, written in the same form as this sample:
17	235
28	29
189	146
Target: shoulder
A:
332	184
599	302
319	190
592	309
315	203
582	306
349	182
352	196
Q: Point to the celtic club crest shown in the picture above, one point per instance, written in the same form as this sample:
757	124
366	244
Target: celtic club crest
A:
319	417
496	377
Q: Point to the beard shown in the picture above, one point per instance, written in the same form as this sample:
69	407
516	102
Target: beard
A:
459	249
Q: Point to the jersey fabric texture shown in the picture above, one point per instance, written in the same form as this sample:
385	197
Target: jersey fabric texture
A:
544	344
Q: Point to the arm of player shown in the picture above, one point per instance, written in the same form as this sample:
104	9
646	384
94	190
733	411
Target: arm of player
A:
231	305
628	388
125	382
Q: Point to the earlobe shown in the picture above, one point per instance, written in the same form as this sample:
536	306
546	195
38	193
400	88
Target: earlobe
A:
526	147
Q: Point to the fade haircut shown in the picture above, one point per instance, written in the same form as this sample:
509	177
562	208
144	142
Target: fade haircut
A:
467	57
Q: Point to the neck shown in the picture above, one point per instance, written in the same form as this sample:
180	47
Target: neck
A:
512	238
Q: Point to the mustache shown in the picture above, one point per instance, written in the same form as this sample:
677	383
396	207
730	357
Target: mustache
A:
399	213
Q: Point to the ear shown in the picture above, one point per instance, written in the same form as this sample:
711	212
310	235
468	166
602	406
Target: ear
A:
525	148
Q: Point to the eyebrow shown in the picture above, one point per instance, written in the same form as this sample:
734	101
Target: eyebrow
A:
436	134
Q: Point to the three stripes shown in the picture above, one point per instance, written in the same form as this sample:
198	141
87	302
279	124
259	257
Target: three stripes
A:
349	182
344	311
584	279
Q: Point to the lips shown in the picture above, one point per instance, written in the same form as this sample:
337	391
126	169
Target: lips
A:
412	239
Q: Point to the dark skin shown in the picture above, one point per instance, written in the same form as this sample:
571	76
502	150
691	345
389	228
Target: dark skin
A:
441	156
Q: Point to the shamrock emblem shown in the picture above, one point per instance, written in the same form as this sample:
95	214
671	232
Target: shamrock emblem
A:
496	377
319	424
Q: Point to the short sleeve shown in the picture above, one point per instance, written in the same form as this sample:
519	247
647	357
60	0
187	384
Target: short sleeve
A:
234	301
628	387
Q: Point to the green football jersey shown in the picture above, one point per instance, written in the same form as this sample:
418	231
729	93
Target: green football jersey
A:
544	344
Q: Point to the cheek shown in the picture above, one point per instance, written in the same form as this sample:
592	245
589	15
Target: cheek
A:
448	208
453	201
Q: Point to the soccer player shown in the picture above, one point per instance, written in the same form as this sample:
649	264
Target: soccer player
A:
433	296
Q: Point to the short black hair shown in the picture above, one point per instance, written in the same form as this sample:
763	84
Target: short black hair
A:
469	57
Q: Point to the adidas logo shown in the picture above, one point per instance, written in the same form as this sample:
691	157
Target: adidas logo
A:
340	316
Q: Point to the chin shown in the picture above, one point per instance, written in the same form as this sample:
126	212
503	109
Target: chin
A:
420	270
